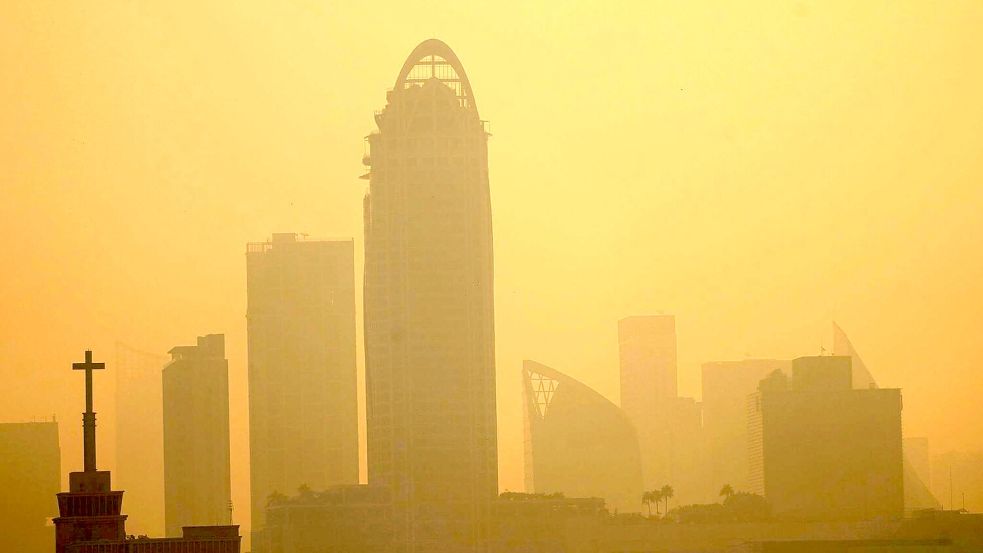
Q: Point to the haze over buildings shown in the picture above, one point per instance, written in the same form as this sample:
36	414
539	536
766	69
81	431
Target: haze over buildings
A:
300	315
645	156
139	423
429	314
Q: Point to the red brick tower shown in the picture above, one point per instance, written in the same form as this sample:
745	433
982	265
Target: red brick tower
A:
90	510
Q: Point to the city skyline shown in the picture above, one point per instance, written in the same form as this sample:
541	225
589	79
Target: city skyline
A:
754	258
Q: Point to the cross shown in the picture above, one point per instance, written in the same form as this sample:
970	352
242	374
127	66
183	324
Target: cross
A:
89	417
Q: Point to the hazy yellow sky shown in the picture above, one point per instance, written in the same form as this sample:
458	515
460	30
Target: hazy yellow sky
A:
757	170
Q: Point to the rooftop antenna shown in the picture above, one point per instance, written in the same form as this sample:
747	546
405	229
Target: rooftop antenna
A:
952	504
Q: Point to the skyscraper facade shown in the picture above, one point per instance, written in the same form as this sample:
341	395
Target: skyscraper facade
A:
821	450
303	425
429	318
647	350
577	442
30	468
196	436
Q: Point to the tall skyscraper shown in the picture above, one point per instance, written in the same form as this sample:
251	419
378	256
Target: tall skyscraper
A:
429	318
29	475
577	442
820	450
303	425
139	439
196	436
647	348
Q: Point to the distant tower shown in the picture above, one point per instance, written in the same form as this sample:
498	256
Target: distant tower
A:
429	314
303	410
196	436
578	442
139	438
30	475
647	349
89	511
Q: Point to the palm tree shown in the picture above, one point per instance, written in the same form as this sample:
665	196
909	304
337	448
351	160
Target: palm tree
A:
666	493
726	491
656	497
647	501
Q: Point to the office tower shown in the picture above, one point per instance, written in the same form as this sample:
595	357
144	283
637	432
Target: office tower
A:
429	320
303	426
820	450
647	348
196	436
90	514
139	437
30	468
577	442
726	385
917	490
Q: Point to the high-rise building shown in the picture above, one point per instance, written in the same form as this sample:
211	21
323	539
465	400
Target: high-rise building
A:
139	437
577	442
303	410
726	385
820	450
647	348
197	489
429	317
30	468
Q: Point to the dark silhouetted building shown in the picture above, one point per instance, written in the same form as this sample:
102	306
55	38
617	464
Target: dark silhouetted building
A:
196	436
647	350
139	437
90	514
577	442
30	473
726	385
917	477
303	426
354	518
820	450
429	317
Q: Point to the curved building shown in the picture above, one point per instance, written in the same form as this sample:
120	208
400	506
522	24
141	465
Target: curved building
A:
577	442
429	318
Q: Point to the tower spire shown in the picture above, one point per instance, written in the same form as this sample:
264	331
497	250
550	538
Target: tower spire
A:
89	417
